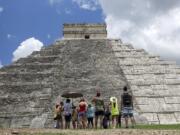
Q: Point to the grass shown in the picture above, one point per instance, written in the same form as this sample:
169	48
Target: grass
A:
159	127
138	129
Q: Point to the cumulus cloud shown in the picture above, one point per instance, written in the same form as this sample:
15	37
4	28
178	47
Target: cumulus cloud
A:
150	24
26	48
1	9
87	4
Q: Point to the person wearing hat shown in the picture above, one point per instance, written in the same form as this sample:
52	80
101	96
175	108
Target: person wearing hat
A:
114	111
127	107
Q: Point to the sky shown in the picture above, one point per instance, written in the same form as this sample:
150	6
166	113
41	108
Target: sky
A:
28	25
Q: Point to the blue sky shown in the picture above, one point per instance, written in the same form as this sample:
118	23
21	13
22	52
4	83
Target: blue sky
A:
42	19
27	25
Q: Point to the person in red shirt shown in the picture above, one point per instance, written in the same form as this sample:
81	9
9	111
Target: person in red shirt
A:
82	113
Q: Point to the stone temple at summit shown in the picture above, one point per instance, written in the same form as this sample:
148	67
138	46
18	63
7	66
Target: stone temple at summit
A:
82	61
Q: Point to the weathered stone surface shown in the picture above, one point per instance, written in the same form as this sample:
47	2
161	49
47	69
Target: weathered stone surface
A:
167	118
30	87
151	118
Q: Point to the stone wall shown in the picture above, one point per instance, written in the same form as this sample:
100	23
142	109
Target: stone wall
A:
79	31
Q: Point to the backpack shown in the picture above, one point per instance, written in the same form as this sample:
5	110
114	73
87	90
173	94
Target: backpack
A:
105	123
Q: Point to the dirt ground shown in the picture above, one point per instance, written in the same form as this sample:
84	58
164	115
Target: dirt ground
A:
87	132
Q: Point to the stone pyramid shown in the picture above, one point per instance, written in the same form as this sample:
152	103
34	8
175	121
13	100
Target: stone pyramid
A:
81	61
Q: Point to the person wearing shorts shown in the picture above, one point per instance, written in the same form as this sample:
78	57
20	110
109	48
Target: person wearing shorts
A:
127	107
114	111
99	109
82	113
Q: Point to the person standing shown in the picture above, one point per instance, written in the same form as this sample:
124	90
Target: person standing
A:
61	114
57	116
90	115
74	117
99	109
114	111
127	107
82	113
67	113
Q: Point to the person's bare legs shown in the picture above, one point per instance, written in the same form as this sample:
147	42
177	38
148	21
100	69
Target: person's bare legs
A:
113	124
61	123
96	121
126	121
101	120
132	121
117	121
84	121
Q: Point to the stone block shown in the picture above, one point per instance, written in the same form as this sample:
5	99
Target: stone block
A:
177	116
20	122
172	100
167	118
39	121
142	101
151	117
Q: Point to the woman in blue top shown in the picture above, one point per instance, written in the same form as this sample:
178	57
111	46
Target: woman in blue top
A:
90	115
67	113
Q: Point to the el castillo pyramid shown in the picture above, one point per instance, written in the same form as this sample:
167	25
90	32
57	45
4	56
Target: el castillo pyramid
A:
84	59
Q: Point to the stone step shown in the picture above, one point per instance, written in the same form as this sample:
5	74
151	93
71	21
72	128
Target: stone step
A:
135	57
50	52
151	76
158	106
127	50
25	77
29	67
155	81
151	69
154	92
144	62
26	87
41	59
161	118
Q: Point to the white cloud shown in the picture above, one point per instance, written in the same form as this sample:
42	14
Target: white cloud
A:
1	65
52	2
26	48
87	4
48	36
150	24
1	9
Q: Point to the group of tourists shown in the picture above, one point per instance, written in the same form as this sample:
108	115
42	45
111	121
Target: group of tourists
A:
97	114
